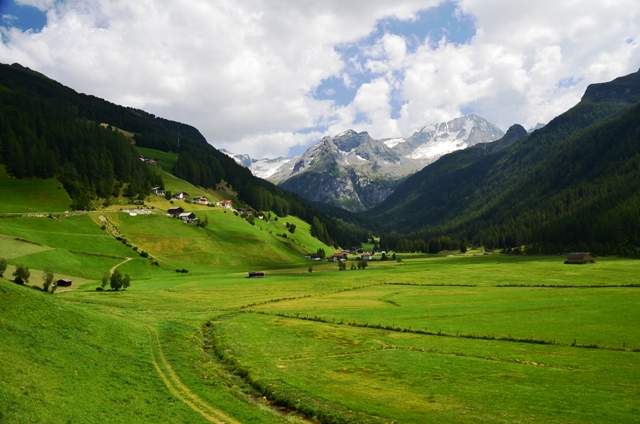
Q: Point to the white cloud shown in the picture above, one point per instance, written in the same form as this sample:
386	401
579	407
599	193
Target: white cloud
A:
40	4
244	71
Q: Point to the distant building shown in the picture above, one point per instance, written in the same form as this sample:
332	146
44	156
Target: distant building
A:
367	256
180	196
255	274
175	211
201	200
313	257
64	282
580	258
225	204
337	257
158	191
188	217
244	211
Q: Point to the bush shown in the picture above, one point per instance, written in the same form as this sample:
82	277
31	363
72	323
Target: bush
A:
135	248
99	288
103	227
144	254
3	266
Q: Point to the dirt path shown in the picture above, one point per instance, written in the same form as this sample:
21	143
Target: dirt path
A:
177	388
113	268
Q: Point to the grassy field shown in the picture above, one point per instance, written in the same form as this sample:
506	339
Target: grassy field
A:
166	160
433	338
31	195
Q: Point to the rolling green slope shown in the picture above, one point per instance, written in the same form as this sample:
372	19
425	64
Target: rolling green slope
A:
60	363
32	195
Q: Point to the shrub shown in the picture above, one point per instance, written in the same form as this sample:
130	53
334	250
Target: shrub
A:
103	227
144	254
310	269
99	288
135	248
3	266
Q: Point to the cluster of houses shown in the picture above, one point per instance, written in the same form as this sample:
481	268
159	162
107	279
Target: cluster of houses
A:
342	256
150	161
200	200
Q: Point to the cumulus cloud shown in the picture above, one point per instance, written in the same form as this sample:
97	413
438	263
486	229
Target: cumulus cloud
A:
247	72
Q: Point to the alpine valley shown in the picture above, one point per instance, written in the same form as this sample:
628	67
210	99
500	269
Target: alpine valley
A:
148	277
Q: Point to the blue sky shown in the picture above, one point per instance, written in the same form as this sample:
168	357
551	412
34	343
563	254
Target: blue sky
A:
271	77
23	17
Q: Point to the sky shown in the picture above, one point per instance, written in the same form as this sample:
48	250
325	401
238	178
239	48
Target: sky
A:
271	77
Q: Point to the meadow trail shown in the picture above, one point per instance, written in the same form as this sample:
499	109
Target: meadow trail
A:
113	268
179	389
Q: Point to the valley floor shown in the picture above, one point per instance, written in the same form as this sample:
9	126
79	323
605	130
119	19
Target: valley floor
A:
432	338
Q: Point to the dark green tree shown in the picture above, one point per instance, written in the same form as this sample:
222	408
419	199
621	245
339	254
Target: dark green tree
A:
116	280
21	274
3	266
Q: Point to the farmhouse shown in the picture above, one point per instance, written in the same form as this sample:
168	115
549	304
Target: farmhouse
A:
367	256
158	191
337	257
255	274
244	211
580	258
64	282
175	211
313	257
181	196
188	217
225	204
201	200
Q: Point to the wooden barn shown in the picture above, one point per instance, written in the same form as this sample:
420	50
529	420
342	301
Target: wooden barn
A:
255	274
175	211
580	258
64	283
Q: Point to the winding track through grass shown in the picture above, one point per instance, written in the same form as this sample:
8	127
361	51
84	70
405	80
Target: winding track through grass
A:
113	268
178	388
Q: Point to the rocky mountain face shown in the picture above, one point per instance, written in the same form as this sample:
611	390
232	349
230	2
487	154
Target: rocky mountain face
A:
262	168
356	172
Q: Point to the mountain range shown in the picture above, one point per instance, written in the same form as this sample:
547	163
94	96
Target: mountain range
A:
573	184
356	172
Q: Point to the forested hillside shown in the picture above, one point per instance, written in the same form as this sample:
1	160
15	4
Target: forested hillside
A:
39	140
566	186
58	130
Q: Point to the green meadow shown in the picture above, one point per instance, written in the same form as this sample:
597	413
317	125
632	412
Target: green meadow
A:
429	338
166	160
32	195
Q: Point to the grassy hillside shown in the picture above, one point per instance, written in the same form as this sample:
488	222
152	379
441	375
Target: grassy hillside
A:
61	363
166	160
31	195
